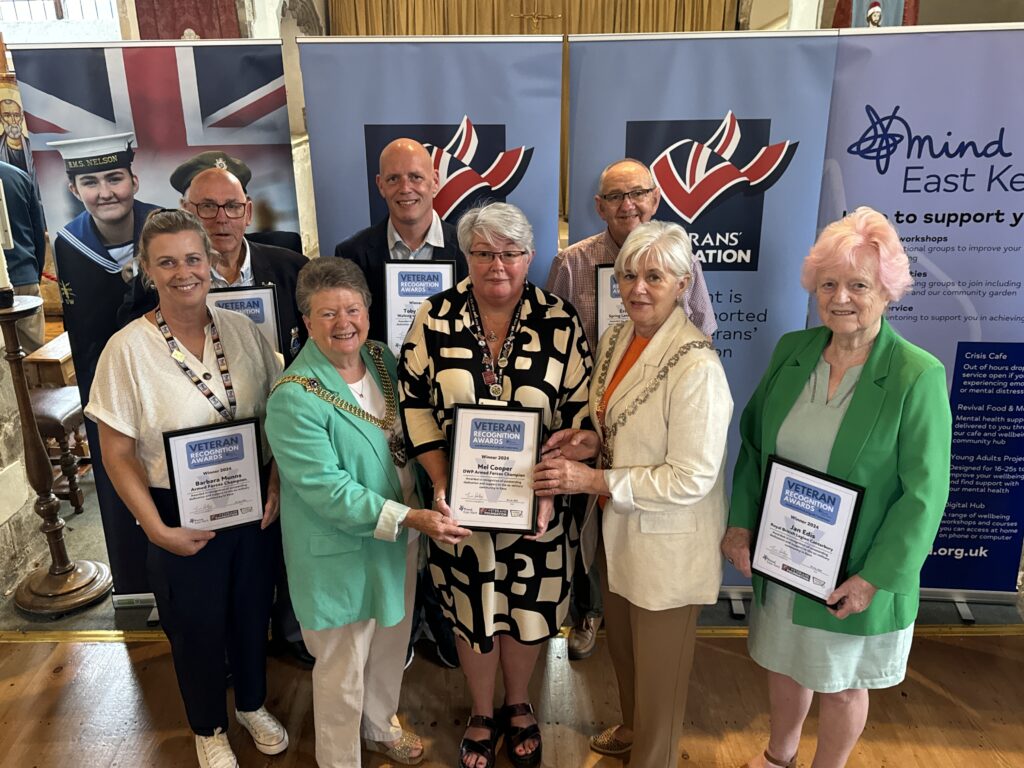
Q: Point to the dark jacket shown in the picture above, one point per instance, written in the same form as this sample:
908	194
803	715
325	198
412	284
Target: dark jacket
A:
369	249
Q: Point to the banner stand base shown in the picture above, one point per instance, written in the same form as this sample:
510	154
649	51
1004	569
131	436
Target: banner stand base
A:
134	600
964	596
736	608
965	612
959	598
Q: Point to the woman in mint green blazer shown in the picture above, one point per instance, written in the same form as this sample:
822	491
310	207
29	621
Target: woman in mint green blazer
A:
853	399
350	517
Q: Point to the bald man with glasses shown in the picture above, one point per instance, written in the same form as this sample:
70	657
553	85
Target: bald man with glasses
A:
213	187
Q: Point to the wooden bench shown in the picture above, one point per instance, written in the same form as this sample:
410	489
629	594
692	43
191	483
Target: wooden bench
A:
51	365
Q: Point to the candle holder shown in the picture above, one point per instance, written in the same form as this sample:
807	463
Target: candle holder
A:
66	585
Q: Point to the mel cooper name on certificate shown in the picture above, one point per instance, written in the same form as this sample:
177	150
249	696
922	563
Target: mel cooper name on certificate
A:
408	284
493	453
215	474
803	535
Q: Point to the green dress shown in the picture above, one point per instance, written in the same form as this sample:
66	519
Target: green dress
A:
822	661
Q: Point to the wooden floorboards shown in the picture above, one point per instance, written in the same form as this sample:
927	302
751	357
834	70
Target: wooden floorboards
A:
116	705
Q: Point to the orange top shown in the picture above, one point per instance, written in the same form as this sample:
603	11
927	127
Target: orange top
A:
636	348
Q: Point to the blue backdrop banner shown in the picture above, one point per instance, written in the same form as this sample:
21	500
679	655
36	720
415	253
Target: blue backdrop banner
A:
951	182
734	129
489	110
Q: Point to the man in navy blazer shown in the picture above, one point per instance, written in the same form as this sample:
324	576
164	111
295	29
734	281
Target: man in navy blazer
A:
412	231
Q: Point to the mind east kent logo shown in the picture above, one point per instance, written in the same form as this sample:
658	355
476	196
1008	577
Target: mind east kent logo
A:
713	186
472	163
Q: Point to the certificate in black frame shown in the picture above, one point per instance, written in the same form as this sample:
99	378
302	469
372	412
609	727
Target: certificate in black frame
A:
496	414
240	292
840	573
251	424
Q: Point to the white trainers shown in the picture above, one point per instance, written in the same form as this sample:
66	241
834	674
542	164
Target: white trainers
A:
215	751
266	730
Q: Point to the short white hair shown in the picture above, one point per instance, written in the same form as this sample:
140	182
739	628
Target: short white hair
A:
493	222
667	244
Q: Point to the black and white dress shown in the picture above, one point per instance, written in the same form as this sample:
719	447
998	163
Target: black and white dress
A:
499	583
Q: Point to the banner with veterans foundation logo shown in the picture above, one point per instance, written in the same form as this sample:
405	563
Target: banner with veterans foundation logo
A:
951	181
488	110
179	99
734	130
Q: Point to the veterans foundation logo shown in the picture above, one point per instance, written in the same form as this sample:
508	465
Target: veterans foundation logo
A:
714	186
471	163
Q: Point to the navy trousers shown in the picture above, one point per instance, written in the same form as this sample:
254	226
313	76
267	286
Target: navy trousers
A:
215	605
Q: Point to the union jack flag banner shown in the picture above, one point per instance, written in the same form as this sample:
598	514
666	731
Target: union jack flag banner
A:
179	99
487	109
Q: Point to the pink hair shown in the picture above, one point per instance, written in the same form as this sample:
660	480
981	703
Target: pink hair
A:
863	233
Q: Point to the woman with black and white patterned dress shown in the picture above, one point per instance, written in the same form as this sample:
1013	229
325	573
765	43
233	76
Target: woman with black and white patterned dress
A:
496	337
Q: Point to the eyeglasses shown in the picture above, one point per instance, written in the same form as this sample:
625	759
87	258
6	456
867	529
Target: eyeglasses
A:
507	257
232	210
636	195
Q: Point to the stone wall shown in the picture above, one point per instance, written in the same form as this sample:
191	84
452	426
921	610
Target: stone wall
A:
20	541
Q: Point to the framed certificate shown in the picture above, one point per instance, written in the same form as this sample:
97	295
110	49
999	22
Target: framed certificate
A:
258	303
215	474
610	310
493	452
406	285
806	522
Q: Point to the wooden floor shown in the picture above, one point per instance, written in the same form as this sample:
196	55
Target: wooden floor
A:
65	702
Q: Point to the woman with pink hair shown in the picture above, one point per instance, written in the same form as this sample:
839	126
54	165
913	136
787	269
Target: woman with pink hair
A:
853	399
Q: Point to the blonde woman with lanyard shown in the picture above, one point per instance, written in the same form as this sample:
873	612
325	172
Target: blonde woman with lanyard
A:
180	366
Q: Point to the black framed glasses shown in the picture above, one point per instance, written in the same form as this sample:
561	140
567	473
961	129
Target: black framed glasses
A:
636	195
507	257
232	210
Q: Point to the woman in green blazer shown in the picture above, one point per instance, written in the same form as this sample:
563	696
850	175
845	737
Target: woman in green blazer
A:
351	514
853	399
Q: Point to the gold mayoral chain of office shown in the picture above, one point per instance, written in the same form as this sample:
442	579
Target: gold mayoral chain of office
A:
611	429
396	445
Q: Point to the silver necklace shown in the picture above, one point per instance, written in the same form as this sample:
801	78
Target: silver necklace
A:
359	391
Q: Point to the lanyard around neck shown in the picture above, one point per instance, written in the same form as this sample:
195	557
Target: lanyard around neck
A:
226	413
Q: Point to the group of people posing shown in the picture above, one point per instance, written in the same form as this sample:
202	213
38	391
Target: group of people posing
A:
630	482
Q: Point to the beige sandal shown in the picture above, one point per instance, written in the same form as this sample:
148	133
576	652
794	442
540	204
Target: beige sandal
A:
607	743
399	752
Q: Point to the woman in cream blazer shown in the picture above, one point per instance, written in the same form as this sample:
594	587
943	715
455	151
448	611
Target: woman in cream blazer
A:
661	406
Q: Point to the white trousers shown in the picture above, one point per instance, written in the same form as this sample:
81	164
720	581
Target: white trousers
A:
357	680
